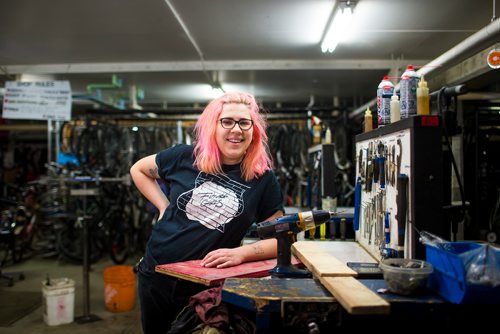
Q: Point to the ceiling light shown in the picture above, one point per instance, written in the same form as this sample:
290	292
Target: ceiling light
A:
217	91
339	28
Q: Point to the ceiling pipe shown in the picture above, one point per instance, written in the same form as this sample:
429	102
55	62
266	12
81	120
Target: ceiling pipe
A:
311	102
494	10
464	49
212	83
132	98
115	83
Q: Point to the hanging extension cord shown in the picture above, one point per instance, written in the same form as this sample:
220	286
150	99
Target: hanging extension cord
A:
448	145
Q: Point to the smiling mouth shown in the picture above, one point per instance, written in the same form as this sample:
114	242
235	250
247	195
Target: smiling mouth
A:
235	141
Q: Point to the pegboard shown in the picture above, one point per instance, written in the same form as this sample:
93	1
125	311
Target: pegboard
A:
407	150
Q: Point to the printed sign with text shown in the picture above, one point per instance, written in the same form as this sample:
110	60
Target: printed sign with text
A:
37	100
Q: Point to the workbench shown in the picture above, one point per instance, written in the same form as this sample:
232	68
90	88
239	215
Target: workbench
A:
295	302
268	297
285	303
302	305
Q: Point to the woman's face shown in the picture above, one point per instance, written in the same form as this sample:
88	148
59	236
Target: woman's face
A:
234	142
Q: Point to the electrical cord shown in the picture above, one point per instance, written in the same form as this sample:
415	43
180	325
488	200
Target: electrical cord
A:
448	144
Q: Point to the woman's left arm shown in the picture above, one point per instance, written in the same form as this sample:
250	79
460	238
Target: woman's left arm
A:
229	257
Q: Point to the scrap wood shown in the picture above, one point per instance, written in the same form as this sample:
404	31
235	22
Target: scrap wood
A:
340	280
319	261
194	272
355	297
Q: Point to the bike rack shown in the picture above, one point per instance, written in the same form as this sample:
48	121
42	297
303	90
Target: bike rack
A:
84	192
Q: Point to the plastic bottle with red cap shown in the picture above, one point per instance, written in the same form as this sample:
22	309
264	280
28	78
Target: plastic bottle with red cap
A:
408	92
385	90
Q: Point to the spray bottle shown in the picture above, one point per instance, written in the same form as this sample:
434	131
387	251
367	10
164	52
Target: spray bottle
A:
316	130
328	136
423	98
384	92
395	109
368	120
408	91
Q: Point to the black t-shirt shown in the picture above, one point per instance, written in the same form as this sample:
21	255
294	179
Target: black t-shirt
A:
207	212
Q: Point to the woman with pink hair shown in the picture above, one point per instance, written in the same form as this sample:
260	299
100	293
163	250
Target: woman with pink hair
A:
217	189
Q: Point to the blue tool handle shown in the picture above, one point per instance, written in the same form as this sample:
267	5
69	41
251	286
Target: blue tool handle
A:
381	161
357	204
376	171
387	228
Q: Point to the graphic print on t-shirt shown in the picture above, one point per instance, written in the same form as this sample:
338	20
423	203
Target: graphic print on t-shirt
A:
214	202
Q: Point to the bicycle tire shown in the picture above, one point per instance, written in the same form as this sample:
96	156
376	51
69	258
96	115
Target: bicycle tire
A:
70	245
17	248
120	237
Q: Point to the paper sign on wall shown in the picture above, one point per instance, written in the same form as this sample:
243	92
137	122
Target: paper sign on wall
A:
37	100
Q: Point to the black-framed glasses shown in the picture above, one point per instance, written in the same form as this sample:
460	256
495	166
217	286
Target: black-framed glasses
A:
229	123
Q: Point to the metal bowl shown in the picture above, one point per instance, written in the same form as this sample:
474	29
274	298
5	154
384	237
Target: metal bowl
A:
406	276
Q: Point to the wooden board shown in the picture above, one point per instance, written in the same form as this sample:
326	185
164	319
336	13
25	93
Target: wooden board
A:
354	296
345	251
192	271
319	261
339	279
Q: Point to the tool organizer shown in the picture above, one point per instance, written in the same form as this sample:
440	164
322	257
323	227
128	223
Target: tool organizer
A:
399	175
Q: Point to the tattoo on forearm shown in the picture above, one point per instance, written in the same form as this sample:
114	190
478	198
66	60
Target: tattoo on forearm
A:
154	172
258	249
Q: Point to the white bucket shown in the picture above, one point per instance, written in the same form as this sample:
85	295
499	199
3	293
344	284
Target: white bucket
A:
58	301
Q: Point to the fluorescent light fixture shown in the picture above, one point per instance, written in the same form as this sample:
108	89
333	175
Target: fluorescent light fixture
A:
216	92
338	29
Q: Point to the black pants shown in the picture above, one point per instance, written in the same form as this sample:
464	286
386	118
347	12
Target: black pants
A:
162	297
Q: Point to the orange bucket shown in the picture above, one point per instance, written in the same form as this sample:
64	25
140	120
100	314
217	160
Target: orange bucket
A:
119	288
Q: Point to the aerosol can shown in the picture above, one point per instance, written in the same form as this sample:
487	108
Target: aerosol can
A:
408	91
384	92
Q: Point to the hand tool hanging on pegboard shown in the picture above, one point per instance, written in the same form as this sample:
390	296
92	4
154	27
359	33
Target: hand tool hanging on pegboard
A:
369	168
399	157
357	203
392	166
382	152
388	252
402	207
375	163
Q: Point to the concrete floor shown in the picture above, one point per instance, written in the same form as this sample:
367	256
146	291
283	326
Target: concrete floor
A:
37	269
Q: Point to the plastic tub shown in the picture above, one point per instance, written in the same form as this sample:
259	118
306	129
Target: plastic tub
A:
405	276
58	301
449	279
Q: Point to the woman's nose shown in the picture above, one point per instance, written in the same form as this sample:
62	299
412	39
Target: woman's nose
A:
236	128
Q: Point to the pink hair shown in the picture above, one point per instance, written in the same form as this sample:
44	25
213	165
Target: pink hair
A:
207	155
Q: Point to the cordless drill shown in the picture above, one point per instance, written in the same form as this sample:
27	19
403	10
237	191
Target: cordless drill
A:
285	230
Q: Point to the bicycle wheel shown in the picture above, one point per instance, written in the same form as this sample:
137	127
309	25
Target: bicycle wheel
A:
17	248
120	236
70	244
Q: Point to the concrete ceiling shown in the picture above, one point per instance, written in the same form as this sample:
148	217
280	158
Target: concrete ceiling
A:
173	49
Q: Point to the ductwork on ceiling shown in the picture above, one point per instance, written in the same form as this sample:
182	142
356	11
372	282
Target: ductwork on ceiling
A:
482	39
